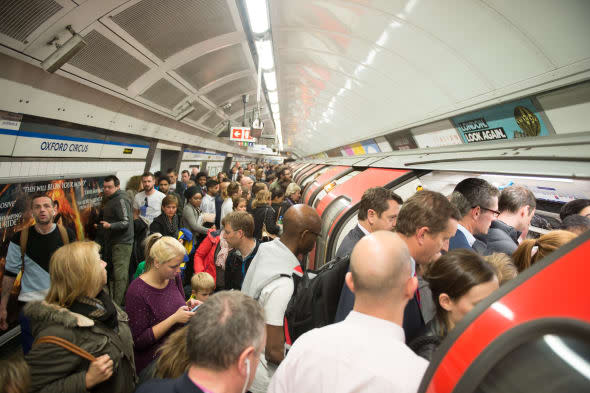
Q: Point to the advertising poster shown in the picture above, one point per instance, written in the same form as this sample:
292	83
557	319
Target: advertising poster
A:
516	119
77	202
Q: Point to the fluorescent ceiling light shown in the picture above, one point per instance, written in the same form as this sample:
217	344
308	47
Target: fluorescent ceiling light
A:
258	15
274	107
265	56
273	97
270	79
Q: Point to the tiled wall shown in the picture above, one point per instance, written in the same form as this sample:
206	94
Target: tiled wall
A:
25	169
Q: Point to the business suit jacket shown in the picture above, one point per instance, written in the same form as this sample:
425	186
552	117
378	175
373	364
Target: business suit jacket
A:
460	241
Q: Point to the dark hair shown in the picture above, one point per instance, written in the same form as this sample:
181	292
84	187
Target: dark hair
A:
186	171
257	187
277	193
225	325
425	209
200	174
55	202
241	221
515	197
473	192
232	188
165	179
171	170
114	179
146	174
575	223
211	183
191	191
377	198
455	273
573	207
38	195
283	170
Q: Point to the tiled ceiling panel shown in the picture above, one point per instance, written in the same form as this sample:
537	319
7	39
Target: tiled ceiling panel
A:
199	111
167	27
164	94
231	89
106	60
20	18
213	120
214	65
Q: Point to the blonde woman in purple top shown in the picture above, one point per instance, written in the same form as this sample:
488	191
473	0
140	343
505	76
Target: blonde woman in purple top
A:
155	300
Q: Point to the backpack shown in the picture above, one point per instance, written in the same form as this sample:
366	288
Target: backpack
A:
315	298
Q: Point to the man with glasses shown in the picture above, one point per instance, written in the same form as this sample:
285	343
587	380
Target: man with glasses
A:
477	201
269	281
147	204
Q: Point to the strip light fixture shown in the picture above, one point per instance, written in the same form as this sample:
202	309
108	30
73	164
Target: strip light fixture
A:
258	16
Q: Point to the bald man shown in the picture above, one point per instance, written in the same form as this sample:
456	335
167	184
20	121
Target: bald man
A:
268	280
366	352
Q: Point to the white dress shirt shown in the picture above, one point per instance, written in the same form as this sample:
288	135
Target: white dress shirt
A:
360	354
468	235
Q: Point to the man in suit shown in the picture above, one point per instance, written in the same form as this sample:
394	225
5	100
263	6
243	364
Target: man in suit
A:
477	201
426	222
378	210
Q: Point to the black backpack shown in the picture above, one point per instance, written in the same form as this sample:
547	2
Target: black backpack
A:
315	298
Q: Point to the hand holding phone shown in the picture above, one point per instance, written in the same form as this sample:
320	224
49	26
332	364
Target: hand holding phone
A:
195	308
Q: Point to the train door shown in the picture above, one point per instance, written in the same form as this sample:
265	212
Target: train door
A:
313	188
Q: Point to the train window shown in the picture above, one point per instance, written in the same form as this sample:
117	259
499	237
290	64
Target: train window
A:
328	217
549	363
310	178
332	185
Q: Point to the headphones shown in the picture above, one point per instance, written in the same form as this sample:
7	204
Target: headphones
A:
247	364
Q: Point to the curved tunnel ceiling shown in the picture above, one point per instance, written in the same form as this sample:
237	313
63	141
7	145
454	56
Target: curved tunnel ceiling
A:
354	69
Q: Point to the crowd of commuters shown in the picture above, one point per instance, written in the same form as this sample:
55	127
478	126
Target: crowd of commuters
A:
205	311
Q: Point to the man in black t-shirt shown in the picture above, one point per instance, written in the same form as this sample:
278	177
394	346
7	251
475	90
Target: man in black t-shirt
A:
43	239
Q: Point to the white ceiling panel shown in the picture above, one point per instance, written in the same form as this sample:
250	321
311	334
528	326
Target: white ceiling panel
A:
349	70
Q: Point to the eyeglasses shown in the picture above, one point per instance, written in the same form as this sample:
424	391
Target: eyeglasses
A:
494	212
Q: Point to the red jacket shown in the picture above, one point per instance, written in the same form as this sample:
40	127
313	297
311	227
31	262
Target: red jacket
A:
205	254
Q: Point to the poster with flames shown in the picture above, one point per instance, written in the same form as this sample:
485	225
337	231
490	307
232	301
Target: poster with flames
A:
76	202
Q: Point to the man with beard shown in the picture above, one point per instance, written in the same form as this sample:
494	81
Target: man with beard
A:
164	187
147	204
39	242
284	179
117	225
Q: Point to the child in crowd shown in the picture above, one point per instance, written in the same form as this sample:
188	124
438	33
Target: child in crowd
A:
202	285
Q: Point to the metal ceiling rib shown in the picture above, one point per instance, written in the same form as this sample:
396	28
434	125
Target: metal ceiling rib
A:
214	65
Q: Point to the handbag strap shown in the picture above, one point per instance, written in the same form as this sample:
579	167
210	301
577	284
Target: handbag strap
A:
65	344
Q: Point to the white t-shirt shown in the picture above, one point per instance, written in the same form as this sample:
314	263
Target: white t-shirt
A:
226	208
154	205
274	299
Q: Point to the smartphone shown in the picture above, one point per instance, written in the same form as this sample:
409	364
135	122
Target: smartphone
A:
195	308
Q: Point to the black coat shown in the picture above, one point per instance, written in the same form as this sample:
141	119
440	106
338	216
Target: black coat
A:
428	339
117	212
265	214
159	226
501	237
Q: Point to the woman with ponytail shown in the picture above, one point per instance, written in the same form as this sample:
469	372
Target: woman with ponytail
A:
532	250
155	300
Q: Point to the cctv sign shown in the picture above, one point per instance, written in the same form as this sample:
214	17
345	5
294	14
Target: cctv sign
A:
240	134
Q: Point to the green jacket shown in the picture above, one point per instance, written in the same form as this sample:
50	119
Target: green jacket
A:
55	369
